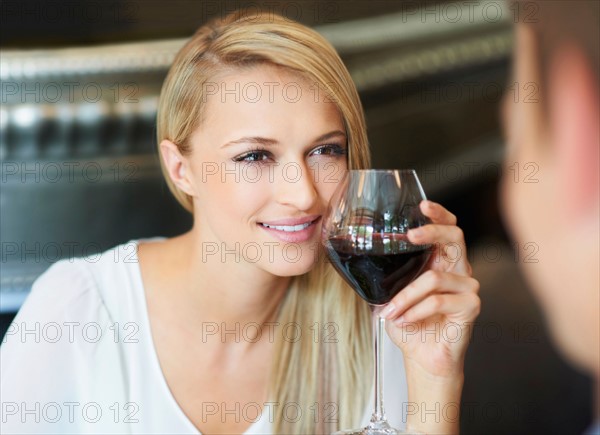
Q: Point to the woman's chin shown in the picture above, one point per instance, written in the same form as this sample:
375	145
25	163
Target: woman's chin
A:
286	268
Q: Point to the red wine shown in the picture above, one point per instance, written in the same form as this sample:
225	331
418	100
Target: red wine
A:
379	273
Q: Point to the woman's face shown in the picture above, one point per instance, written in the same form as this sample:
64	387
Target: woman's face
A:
265	161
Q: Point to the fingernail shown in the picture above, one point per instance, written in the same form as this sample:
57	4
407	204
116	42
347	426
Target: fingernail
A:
389	309
399	321
416	232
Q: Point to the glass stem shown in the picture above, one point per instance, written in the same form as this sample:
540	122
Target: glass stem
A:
379	413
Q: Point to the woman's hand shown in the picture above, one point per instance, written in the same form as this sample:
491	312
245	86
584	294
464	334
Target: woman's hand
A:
430	319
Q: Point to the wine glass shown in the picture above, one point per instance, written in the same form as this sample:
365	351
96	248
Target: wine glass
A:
364	234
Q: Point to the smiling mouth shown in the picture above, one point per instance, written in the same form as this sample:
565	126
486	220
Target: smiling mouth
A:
290	228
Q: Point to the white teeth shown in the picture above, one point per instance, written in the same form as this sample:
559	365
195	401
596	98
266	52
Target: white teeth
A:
288	228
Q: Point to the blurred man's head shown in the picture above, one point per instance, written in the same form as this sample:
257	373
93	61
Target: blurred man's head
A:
551	184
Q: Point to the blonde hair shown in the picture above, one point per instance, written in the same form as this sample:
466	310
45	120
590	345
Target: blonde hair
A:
328	380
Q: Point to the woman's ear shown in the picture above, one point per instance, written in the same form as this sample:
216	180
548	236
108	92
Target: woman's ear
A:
175	164
574	114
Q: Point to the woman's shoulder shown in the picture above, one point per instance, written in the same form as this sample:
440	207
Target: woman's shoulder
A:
84	283
80	337
64	284
74	307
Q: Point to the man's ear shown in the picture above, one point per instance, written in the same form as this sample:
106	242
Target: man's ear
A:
574	124
175	164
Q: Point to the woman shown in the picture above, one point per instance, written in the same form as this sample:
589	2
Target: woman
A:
239	324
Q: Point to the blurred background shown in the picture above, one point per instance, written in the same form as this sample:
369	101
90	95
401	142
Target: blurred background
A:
80	174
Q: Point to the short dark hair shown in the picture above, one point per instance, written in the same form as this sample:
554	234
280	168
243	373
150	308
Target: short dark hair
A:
556	22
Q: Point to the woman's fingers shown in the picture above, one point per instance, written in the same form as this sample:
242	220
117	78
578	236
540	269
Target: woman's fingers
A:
448	243
437	213
447	238
459	306
426	284
436	233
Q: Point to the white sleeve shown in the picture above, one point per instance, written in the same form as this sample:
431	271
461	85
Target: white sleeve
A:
50	352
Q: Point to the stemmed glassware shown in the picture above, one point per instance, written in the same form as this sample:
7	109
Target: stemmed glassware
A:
364	234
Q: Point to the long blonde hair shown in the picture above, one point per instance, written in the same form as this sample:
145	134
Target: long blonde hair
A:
326	374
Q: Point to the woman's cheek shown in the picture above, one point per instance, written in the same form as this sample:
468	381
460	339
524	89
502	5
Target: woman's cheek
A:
327	175
243	196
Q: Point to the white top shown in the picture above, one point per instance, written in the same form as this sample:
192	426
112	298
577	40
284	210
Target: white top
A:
79	358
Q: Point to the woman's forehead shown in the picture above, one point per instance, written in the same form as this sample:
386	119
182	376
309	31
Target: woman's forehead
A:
253	83
266	101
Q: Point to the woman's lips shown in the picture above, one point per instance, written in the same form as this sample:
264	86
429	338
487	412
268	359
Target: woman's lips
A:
292	230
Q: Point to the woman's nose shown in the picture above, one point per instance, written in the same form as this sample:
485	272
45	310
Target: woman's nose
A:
295	186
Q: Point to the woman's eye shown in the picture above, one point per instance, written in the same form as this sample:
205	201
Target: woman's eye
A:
254	156
330	150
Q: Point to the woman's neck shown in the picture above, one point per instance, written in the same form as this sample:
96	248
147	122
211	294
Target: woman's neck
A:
227	292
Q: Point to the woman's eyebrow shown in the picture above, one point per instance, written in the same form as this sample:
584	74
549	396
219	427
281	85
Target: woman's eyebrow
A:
266	141
330	135
251	139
